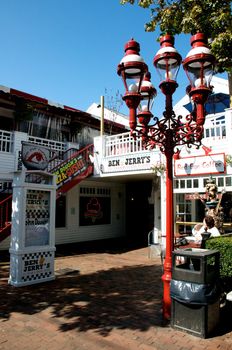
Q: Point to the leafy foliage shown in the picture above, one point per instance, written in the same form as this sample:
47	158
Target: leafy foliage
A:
212	17
224	245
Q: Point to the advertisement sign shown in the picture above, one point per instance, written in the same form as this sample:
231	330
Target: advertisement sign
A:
126	163
37	266
71	168
35	157
202	196
199	165
37	218
95	211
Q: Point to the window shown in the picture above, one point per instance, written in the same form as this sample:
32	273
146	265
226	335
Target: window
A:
228	181
220	182
195	183
183	212
182	183
217	128
61	212
95	206
176	183
189	183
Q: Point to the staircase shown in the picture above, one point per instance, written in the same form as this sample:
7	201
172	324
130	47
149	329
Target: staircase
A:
5	217
70	168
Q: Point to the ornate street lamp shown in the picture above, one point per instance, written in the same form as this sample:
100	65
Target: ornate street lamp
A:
132	69
170	131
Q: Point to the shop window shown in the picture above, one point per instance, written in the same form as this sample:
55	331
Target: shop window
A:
227	208
223	131
95	206
195	183
189	183
205	180
95	210
183	213
176	183
220	182
89	191
228	181
61	212
182	183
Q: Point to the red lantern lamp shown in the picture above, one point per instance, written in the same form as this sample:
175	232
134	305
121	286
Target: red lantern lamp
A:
167	63
148	93
199	67
132	69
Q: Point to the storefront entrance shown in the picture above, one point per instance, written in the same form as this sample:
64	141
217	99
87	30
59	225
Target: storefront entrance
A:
139	213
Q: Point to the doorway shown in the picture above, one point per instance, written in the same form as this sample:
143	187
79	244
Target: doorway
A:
139	212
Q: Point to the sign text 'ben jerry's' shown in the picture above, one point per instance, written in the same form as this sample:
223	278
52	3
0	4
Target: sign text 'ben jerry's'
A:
126	163
129	161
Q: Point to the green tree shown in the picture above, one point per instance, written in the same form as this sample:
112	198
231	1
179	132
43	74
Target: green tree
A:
211	17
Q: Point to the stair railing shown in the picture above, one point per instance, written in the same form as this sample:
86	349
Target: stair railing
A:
5	212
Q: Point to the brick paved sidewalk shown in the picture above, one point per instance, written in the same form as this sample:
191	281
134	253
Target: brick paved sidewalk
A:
99	301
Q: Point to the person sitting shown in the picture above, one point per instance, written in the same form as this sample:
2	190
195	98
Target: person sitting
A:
207	227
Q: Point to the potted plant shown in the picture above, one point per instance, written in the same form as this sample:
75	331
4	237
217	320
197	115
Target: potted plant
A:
158	168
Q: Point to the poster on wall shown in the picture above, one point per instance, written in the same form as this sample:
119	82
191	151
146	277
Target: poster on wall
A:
37	220
95	211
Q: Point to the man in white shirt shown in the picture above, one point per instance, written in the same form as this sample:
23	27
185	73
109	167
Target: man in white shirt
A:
208	226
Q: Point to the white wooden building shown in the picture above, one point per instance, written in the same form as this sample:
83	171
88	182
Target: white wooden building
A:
122	197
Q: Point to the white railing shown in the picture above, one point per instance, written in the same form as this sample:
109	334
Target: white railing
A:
6	141
54	145
122	144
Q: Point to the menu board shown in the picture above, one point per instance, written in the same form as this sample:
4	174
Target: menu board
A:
37	220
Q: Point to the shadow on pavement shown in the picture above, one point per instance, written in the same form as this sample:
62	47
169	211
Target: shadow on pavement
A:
124	298
110	246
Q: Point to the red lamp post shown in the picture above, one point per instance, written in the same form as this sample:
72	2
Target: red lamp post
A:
170	131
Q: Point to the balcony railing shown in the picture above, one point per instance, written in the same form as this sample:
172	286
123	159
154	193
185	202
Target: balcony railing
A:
122	144
52	144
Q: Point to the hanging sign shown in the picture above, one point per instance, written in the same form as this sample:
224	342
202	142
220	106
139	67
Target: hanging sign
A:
198	165
35	157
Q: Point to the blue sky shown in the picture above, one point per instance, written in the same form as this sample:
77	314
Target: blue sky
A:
67	51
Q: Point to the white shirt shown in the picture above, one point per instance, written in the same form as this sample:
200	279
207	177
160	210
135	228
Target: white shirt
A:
197	233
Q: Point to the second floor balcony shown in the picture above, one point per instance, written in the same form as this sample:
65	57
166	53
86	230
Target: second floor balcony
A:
119	154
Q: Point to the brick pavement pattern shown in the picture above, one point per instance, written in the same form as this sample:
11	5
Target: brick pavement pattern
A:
107	300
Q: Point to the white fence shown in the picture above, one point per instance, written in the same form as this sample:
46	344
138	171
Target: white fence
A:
123	144
54	145
7	137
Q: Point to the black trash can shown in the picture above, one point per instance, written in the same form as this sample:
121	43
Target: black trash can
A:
195	292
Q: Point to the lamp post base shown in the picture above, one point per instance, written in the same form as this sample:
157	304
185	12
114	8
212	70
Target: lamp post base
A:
166	278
